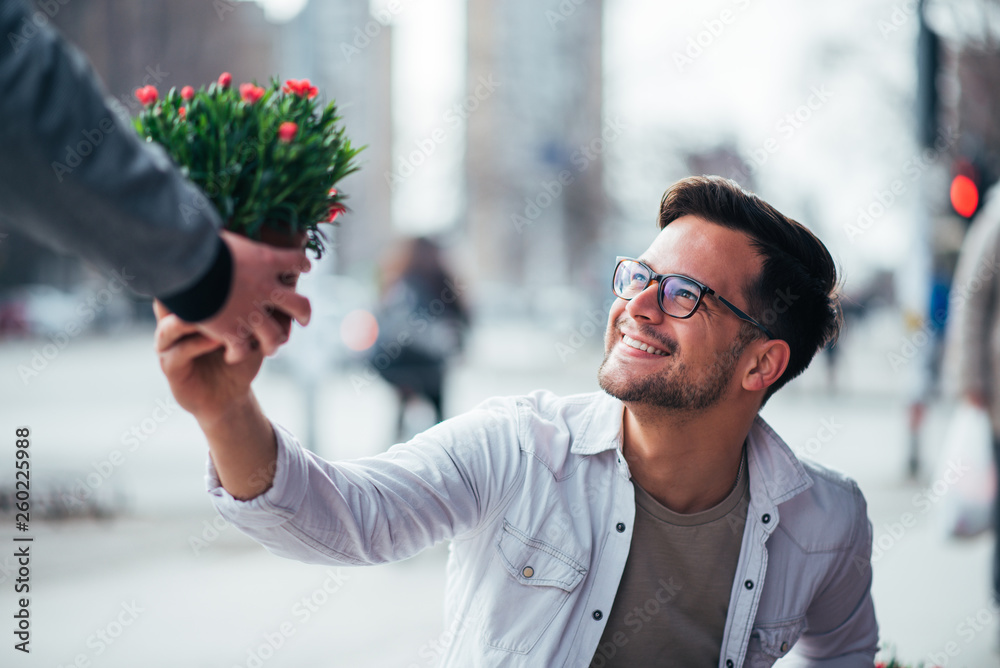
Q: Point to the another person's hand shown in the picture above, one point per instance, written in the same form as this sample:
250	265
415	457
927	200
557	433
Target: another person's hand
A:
262	300
201	381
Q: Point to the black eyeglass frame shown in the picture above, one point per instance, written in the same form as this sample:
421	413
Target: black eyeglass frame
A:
703	290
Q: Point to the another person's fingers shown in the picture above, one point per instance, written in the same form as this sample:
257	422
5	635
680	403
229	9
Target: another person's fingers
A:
291	263
295	305
270	336
262	299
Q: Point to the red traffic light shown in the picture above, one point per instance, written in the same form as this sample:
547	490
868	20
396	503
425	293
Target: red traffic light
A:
964	195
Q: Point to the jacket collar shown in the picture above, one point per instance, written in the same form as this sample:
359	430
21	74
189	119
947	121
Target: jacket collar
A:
776	473
602	427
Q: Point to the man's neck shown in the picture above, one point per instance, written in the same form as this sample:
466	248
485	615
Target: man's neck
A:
687	463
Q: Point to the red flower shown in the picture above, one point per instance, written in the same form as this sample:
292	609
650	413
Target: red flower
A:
302	88
147	95
187	92
183	113
251	93
335	212
287	130
335	209
225	79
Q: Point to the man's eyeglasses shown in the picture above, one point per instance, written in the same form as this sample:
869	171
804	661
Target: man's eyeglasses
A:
678	296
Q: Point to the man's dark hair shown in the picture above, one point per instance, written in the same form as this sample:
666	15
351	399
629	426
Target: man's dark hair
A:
794	295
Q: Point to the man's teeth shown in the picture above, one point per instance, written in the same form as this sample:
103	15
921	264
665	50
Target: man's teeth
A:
629	341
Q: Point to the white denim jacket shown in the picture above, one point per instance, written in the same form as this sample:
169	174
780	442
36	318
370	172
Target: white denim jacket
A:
538	504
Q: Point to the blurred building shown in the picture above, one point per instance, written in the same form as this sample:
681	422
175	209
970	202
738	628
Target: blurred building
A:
345	51
171	43
534	160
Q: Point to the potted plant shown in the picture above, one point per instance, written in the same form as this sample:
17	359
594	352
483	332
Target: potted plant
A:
268	158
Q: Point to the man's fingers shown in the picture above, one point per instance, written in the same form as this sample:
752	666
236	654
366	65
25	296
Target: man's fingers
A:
187	349
237	349
159	310
170	330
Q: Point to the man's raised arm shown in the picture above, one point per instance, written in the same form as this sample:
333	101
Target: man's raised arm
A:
240	438
446	482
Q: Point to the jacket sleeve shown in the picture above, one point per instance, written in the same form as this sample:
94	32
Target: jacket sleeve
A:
842	631
444	483
78	178
973	305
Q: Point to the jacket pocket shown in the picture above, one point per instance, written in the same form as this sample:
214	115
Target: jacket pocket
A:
771	641
535	584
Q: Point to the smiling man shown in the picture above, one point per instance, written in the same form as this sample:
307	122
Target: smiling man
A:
658	523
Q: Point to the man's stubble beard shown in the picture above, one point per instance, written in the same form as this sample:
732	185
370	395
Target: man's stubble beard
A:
676	388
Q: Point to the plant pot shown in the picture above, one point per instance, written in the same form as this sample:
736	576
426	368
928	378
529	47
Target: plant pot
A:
283	239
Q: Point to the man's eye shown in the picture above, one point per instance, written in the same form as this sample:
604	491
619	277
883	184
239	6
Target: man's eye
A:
680	292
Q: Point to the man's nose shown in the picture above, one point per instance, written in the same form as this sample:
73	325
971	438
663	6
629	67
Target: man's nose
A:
644	305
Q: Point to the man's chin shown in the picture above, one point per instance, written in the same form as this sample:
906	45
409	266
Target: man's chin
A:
617	389
656	393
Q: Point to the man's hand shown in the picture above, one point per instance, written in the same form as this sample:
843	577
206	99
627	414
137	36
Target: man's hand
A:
240	437
203	384
262	300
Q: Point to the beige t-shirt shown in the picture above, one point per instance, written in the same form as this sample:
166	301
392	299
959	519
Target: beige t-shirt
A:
673	598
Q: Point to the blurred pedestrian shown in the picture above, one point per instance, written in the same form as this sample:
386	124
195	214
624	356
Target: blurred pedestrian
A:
972	358
76	178
422	321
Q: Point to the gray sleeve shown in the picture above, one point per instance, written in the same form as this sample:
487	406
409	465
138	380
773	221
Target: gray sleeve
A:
78	178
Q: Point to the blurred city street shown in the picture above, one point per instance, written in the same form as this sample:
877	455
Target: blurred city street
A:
512	149
159	581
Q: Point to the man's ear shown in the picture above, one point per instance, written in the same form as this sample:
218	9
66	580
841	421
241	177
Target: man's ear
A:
769	361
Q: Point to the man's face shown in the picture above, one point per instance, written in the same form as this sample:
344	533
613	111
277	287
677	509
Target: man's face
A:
701	352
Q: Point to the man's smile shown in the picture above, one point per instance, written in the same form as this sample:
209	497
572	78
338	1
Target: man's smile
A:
639	345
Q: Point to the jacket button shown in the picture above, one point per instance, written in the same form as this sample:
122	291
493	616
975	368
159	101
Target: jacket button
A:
620	527
748	584
784	646
729	663
766	518
528	571
598	615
